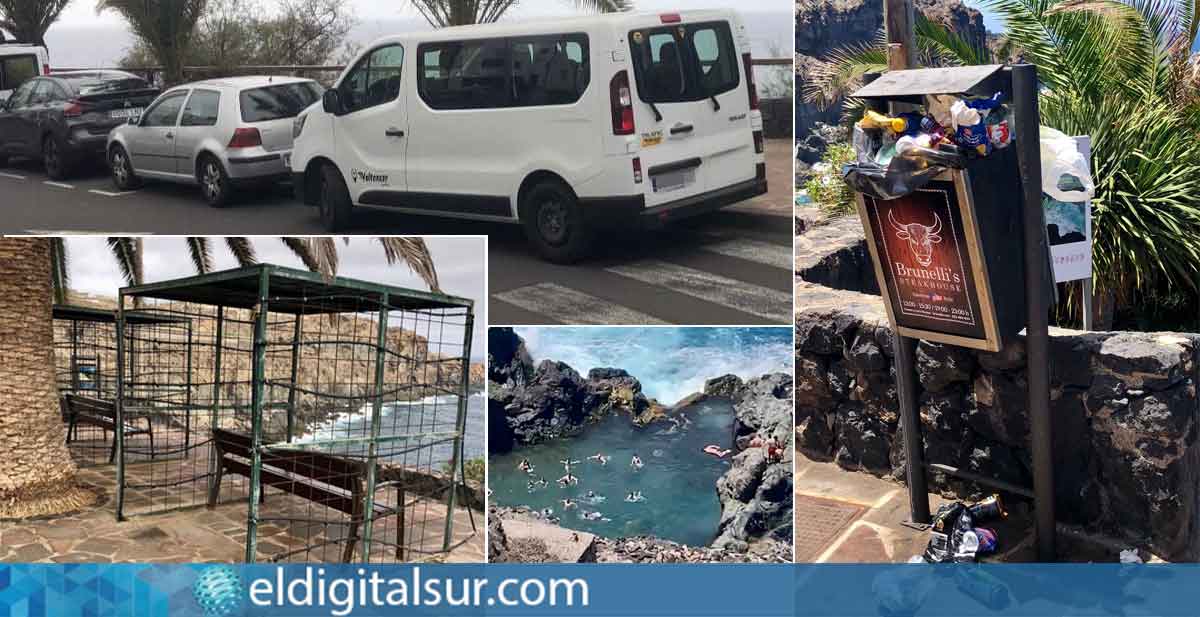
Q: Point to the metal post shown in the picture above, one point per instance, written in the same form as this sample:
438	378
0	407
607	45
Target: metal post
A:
376	420
256	405
75	358
1037	337
187	397
216	398
120	405
291	417
910	422
460	428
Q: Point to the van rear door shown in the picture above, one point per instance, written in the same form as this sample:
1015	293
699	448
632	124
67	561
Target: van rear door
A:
692	107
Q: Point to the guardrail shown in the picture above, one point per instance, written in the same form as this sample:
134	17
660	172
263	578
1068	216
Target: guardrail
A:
151	73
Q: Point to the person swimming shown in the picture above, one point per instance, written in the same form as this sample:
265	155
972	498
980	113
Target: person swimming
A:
541	482
568	503
568	480
635	497
593	497
567	462
530	486
593	516
636	463
525	466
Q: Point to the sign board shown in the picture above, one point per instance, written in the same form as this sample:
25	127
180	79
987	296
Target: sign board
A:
930	265
1069	229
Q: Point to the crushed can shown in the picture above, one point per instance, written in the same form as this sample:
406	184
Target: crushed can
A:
988	509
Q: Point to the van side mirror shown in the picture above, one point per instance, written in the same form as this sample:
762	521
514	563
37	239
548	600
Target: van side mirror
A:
134	120
331	102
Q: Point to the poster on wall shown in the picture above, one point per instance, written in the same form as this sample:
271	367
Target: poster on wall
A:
926	254
1069	226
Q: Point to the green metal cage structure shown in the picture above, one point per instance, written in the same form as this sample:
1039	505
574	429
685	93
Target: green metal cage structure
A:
333	410
85	354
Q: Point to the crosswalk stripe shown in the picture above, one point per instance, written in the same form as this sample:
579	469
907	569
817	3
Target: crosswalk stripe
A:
13	176
746	297
569	306
61	185
766	253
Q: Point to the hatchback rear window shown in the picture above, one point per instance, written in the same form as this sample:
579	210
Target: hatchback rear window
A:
105	84
691	62
278	102
16	70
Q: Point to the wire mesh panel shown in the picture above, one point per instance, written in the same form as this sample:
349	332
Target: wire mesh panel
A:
332	411
85	349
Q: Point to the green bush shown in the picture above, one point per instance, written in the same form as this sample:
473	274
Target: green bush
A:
472	467
826	188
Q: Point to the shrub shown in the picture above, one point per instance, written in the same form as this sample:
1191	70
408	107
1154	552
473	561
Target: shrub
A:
826	188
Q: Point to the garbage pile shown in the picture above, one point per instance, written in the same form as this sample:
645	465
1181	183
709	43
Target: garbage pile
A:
954	538
898	154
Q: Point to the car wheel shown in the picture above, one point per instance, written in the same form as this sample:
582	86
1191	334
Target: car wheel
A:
554	223
214	183
334	200
53	159
121	170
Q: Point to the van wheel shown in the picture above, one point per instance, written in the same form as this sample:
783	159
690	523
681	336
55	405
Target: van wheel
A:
53	159
121	170
214	182
554	223
333	200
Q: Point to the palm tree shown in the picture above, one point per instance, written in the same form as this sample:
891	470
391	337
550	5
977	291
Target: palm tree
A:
39	475
165	26
443	13
1119	72
28	20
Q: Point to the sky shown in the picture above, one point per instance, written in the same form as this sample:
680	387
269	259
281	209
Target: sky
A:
82	38
459	263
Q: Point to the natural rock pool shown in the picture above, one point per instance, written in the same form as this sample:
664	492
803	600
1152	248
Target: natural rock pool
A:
677	479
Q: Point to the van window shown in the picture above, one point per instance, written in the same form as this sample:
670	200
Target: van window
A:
549	70
691	62
465	74
16	70
375	80
277	102
201	109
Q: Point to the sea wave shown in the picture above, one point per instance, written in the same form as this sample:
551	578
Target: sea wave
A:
671	363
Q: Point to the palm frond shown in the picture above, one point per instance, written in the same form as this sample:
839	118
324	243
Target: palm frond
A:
242	249
944	47
125	250
603	6
59	272
415	254
200	251
300	248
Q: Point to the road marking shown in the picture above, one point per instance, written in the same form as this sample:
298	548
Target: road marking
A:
767	303
569	306
60	185
13	176
766	253
110	193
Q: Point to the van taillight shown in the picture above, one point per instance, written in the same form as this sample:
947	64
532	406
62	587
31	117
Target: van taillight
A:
637	170
245	138
74	109
622	104
758	142
751	89
670	18
45	69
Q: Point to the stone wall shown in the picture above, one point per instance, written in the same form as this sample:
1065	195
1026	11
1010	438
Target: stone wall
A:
1126	457
776	117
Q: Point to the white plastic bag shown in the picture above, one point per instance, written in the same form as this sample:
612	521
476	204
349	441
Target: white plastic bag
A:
1061	157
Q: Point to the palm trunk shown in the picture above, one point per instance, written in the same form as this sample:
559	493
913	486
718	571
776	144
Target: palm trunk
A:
37	475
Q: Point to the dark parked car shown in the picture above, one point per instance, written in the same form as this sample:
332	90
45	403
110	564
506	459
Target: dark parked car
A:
64	119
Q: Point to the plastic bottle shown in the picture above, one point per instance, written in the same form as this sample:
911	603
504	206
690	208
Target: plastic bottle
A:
875	120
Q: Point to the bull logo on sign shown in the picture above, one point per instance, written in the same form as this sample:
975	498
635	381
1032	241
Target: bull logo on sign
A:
920	238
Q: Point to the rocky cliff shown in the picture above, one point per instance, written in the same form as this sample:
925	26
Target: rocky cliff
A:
823	26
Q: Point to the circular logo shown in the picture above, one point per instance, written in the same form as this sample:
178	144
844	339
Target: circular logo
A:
218	591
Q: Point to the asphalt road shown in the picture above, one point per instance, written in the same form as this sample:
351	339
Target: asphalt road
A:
731	267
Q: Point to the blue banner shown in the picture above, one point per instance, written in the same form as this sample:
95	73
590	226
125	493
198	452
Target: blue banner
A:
214	590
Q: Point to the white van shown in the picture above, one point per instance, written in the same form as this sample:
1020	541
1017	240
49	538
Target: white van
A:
562	125
20	62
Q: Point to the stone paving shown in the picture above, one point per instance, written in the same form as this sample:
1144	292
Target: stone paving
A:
878	533
199	534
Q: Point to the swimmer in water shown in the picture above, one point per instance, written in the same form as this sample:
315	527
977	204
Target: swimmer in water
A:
635	497
530	486
593	516
541	482
636	463
716	450
525	466
568	480
567	504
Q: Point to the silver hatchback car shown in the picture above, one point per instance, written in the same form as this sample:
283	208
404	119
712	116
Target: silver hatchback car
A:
218	134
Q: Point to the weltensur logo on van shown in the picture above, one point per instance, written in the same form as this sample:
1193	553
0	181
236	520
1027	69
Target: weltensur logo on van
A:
358	175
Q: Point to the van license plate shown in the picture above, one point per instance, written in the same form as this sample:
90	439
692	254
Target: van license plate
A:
126	112
673	180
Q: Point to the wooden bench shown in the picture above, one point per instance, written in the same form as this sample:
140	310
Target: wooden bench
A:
101	413
332	481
